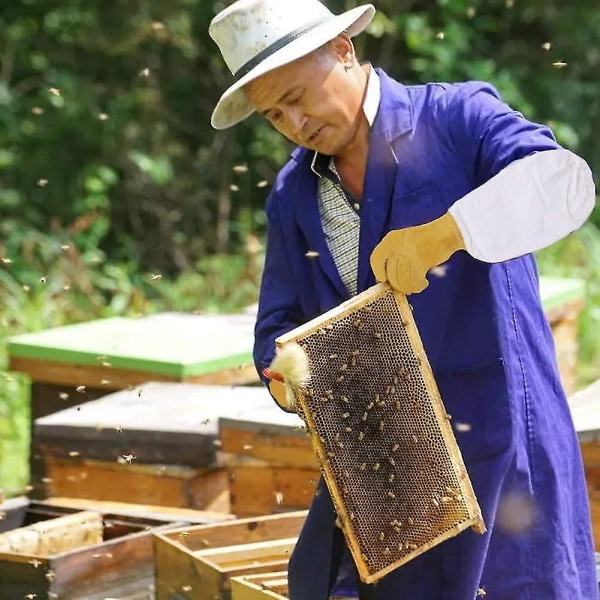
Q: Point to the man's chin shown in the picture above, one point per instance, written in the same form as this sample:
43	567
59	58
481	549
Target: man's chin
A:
328	149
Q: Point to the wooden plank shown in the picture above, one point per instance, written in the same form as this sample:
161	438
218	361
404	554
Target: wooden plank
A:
111	378
265	419
163	485
142	511
109	445
213	581
168	423
73	375
251	491
210	492
21	575
282	450
276	582
239	531
590	452
595	513
118	563
46	399
295	486
54	536
258	587
179	575
248	553
263	490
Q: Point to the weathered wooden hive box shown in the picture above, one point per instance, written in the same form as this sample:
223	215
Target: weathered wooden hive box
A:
82	551
260	587
585	409
197	563
271	463
77	363
155	444
562	300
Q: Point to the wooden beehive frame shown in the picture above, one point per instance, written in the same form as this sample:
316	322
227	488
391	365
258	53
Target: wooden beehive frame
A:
320	324
204	558
260	586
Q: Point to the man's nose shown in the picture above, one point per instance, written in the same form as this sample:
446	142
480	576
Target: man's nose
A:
297	120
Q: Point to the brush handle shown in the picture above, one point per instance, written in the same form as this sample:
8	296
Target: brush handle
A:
272	375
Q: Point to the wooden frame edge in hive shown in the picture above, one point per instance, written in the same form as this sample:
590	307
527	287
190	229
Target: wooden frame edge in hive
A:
475	520
259	586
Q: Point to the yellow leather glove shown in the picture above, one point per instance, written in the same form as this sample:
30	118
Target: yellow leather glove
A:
404	256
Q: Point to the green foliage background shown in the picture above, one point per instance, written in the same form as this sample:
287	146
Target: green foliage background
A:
111	174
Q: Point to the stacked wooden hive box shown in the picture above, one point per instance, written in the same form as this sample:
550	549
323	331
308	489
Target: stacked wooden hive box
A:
126	442
182	480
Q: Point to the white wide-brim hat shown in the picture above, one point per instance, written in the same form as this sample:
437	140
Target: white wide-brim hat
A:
257	36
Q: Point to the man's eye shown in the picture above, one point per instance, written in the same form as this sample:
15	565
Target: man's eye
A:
275	116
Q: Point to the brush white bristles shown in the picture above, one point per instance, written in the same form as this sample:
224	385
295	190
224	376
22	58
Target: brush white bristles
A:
292	363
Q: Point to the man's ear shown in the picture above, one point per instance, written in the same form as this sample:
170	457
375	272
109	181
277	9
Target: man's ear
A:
343	49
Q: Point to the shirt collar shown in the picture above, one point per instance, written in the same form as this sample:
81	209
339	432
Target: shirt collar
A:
370	107
372	96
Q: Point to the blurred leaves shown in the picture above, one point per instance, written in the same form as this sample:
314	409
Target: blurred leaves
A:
90	88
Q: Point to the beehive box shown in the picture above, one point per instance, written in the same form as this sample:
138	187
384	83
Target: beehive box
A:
260	587
585	408
562	300
114	353
197	563
162	485
157	444
61	552
270	460
78	363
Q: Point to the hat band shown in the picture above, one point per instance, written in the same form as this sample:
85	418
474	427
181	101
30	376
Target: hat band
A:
275	46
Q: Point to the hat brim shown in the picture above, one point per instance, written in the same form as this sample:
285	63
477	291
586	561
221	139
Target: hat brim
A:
233	106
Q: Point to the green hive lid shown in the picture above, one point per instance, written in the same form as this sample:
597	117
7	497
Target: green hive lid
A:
556	291
184	345
175	344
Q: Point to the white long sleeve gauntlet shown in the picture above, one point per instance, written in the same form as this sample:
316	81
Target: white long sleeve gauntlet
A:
530	204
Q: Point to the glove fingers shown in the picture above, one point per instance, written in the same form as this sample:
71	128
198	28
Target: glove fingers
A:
396	274
404	278
379	262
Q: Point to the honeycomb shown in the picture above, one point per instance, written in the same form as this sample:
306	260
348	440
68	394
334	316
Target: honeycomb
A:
381	434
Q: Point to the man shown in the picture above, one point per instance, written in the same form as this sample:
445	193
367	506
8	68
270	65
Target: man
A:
394	183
